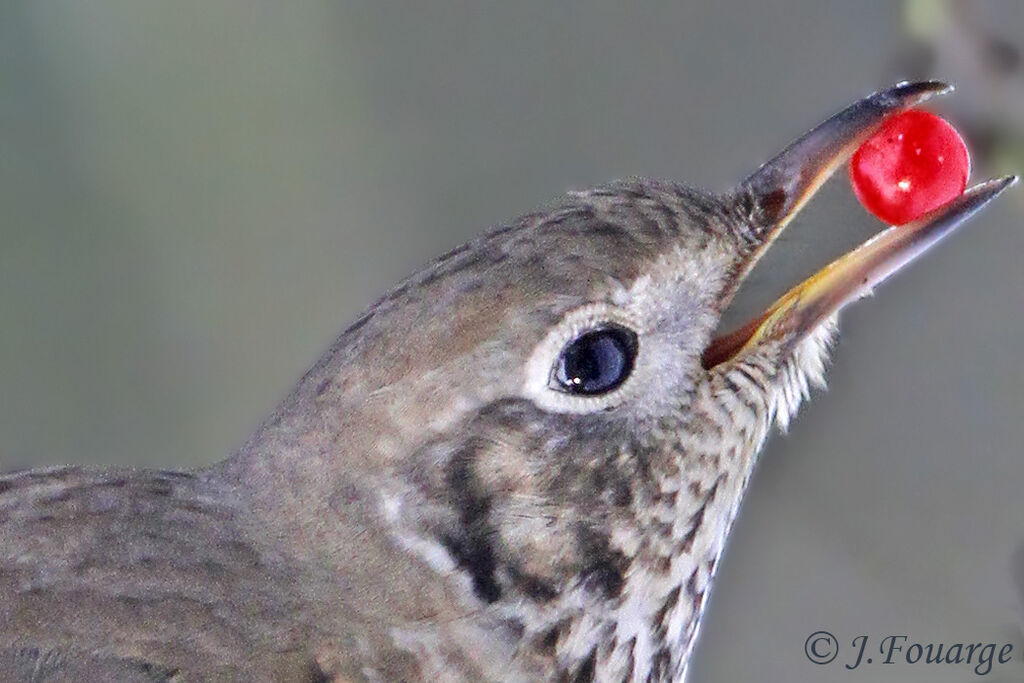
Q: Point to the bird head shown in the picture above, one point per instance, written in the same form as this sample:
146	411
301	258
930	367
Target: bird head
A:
544	421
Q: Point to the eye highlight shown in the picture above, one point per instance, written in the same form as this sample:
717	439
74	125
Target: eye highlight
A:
595	362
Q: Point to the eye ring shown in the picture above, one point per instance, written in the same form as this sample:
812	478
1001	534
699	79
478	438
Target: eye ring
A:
595	362
540	384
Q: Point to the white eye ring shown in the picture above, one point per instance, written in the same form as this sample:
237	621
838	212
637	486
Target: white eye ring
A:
539	368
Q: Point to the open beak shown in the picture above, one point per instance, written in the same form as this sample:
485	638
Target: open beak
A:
780	188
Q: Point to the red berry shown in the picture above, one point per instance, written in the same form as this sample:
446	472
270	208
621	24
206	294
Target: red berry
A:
915	163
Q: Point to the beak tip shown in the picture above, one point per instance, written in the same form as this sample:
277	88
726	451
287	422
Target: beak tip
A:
993	188
918	91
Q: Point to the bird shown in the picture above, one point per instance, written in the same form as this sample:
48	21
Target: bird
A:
521	464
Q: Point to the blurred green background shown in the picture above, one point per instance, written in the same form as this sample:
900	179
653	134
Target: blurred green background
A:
196	196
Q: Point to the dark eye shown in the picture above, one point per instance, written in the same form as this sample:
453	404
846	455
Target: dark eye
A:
596	361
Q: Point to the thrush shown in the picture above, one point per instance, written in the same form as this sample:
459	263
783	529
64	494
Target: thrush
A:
521	464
